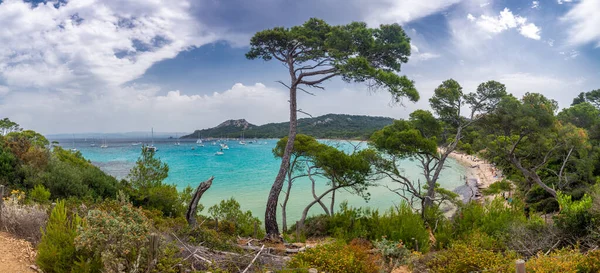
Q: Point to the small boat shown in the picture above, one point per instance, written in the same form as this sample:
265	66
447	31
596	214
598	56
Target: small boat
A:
214	143
104	145
224	146
220	152
152	148
193	148
73	149
177	143
136	143
242	142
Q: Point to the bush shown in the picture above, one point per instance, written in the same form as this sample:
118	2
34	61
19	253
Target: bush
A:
209	238
575	218
229	210
118	237
498	187
494	218
337	257
475	255
56	251
393	253
565	261
25	221
40	194
397	224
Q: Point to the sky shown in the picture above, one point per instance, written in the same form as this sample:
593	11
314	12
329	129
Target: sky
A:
77	66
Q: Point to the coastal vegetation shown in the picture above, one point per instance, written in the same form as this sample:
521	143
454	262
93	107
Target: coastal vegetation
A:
545	209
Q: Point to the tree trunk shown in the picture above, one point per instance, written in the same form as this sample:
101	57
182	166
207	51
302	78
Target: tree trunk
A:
315	194
190	215
533	175
271	227
284	205
332	206
305	212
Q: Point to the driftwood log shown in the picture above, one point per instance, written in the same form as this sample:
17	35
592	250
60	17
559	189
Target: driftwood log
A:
190	215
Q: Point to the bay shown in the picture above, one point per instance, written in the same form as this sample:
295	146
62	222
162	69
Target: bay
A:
244	172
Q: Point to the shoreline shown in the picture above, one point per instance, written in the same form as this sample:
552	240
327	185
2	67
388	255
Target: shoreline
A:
480	175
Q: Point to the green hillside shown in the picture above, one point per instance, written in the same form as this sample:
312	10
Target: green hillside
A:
327	126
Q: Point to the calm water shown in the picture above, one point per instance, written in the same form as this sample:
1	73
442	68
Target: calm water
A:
245	172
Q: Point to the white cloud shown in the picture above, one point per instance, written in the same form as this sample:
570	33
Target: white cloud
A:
584	21
394	11
87	42
417	55
560	2
4	90
530	31
506	20
139	107
471	17
535	4
484	4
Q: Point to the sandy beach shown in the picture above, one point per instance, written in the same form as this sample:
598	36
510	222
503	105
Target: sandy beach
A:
482	173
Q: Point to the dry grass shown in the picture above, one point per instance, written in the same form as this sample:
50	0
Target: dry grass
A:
24	221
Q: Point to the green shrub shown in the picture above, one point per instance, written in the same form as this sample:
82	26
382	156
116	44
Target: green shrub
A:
209	238
229	210
478	254
117	237
565	261
40	194
397	224
393	253
575	217
493	218
56	251
337	257
498	187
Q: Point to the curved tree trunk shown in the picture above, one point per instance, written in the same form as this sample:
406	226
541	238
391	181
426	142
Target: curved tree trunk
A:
307	209
284	205
271	227
190	215
314	193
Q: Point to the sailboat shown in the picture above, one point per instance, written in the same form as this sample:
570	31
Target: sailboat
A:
224	146
199	141
73	149
242	142
220	152
152	147
93	144
177	143
104	145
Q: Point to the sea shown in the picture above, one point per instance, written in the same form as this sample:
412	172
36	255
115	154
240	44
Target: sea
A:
245	172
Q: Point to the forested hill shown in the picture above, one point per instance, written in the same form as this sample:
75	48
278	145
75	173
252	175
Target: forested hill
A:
327	126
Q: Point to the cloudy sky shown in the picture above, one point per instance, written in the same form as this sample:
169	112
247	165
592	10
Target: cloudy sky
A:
129	65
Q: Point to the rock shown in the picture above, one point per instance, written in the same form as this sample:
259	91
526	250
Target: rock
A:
35	268
313	270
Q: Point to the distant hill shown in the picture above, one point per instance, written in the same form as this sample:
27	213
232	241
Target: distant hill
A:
327	126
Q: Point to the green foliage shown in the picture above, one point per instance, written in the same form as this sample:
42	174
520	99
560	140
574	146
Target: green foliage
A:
336	257
118	237
352	51
473	255
56	251
494	218
565	260
575	217
7	126
393	253
498	187
146	179
229	210
397	224
40	194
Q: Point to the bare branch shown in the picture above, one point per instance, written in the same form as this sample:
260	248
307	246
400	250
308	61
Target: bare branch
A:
300	111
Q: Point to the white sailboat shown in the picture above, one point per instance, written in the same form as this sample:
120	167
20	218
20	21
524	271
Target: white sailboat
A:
199	142
242	142
220	152
152	147
177	143
73	149
104	145
224	146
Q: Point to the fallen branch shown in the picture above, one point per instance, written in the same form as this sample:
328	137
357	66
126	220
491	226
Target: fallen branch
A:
252	262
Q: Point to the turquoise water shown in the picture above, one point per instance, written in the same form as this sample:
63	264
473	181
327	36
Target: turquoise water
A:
245	172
